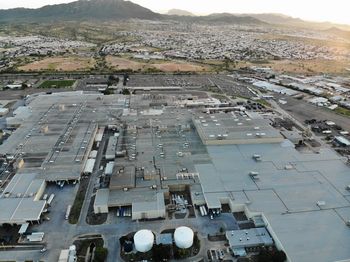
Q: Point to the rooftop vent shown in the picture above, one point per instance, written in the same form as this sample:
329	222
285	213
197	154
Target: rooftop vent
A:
321	203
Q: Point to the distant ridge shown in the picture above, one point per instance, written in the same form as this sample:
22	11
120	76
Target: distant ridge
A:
179	12
108	10
280	19
104	10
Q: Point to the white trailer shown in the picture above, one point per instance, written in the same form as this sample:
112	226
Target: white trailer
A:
109	168
201	210
64	255
89	167
69	208
36	237
52	196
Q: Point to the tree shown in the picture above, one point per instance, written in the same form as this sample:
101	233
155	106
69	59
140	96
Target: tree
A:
100	254
271	255
160	252
182	253
126	91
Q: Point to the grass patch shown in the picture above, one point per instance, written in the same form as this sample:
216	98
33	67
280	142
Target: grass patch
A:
82	246
342	111
263	102
78	202
57	84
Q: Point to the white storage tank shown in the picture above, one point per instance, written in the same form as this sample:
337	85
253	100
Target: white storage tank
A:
143	240
183	237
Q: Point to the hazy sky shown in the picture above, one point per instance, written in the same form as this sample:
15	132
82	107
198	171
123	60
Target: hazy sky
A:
318	10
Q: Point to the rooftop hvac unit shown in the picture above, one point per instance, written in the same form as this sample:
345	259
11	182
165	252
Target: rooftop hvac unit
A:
254	175
288	167
257	157
321	203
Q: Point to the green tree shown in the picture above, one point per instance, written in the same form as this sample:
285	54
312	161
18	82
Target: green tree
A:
100	254
160	252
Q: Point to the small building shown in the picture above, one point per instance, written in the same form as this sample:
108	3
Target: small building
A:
123	178
164	239
101	201
150	209
248	238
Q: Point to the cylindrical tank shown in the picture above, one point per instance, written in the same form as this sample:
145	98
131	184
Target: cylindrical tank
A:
183	237
143	240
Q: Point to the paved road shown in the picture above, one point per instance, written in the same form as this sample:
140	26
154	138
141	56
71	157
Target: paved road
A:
113	230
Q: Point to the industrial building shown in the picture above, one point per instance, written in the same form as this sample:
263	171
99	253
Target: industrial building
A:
52	143
171	158
21	199
240	160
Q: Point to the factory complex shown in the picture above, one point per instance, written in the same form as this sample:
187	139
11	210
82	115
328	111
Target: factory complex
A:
155	154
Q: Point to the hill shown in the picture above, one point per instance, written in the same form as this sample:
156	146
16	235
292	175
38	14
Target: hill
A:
179	12
104	10
338	32
79	10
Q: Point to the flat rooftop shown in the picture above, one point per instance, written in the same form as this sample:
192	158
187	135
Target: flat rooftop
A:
235	128
56	132
249	237
302	195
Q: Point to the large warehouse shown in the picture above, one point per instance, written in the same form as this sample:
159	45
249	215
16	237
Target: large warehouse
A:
173	158
238	160
52	143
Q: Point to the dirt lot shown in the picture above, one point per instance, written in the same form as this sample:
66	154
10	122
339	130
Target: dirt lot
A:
124	64
309	66
120	63
60	64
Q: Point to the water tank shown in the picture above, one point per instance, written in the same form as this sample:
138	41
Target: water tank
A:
183	237
143	240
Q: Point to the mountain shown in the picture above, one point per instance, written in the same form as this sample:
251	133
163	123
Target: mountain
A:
280	19
80	10
105	10
179	12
